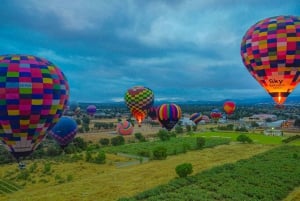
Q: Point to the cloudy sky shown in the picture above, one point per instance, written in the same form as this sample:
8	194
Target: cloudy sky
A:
181	49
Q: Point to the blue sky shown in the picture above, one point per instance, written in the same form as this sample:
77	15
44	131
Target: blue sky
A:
182	50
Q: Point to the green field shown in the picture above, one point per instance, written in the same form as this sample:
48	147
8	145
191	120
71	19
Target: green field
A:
66	180
268	176
257	138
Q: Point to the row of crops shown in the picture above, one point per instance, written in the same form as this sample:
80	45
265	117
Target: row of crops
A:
267	176
8	187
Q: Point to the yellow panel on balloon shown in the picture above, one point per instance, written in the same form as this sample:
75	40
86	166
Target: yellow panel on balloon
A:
13	112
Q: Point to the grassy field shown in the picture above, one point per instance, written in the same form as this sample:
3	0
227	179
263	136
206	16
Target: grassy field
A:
267	176
257	138
106	182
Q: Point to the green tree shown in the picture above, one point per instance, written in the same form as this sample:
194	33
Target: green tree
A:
160	153
184	169
163	135
104	141
118	140
244	139
200	142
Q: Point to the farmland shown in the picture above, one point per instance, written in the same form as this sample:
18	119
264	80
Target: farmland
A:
81	180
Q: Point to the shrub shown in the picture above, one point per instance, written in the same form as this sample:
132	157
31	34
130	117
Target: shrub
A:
290	139
188	128
88	156
139	137
100	158
104	141
53	150
160	153
194	127
244	139
184	169
144	153
80	143
178	129
47	168
70	149
200	142
163	135
119	140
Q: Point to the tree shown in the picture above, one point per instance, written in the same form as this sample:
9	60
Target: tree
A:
104	141
160	153
200	142
116	141
163	135
244	139
184	169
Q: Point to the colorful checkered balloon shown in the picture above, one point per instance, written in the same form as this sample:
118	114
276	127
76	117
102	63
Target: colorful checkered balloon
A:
33	94
124	128
139	99
64	131
168	115
270	50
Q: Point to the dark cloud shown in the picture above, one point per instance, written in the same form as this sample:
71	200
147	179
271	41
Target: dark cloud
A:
180	49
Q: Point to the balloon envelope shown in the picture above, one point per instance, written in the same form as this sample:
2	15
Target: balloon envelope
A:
64	131
124	128
33	94
152	112
138	100
229	107
196	117
91	109
168	115
271	53
215	114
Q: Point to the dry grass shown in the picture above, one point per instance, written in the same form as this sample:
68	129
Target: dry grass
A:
294	195
106	182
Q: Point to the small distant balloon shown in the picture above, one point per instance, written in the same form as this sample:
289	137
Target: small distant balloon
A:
168	115
152	112
205	118
138	100
33	95
196	117
124	128
215	114
229	107
91	110
271	53
64	131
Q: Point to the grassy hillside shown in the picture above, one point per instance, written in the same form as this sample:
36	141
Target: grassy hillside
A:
87	181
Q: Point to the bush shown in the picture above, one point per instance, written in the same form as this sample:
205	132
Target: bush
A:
70	149
88	156
244	139
139	137
160	153
178	129
119	140
80	143
184	169
144	153
47	168
194	127
163	135
188	128
290	139
104	141
200	142
53	150
100	158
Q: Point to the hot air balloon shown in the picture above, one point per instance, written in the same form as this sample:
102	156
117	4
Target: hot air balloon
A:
168	115
33	95
215	115
271	53
64	131
229	107
124	128
91	110
152	112
138	100
196	117
205	119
